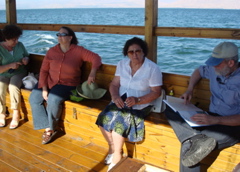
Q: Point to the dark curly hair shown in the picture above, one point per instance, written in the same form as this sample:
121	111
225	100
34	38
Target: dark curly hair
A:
71	33
138	41
10	32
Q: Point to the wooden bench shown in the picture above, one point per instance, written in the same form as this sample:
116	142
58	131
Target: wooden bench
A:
160	146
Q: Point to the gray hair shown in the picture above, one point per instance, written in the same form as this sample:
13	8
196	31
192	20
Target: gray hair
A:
234	58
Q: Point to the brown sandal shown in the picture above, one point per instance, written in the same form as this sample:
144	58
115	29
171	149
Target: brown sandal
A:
46	138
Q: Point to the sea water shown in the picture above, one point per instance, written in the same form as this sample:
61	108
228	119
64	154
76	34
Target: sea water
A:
174	54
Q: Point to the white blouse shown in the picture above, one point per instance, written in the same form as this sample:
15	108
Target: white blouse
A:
147	76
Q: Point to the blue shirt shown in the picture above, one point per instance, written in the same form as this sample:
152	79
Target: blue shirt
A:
225	98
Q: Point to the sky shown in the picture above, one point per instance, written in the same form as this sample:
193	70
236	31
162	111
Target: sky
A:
39	4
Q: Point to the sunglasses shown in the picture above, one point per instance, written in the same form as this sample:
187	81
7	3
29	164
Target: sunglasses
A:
131	52
219	80
62	34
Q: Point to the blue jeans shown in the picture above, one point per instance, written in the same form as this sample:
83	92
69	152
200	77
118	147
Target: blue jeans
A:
48	117
225	136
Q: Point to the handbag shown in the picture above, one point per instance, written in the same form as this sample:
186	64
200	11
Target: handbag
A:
158	104
29	81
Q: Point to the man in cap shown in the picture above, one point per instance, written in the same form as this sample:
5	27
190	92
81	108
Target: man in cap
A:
223	119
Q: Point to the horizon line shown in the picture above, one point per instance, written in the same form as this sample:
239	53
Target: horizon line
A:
125	8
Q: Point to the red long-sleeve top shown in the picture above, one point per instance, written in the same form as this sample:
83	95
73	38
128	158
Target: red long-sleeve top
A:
65	68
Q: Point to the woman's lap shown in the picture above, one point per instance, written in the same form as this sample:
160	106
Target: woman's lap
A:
127	123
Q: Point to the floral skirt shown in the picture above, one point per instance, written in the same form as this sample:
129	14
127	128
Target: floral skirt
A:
127	122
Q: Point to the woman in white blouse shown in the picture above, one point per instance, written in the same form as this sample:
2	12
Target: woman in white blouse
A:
137	83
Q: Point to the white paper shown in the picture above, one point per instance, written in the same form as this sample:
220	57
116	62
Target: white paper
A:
185	110
186	115
177	104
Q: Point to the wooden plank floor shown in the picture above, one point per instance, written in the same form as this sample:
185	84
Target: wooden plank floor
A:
21	150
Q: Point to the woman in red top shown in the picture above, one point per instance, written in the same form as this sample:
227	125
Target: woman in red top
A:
59	74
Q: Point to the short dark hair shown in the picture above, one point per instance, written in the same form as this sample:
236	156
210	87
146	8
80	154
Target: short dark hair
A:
138	41
11	31
71	33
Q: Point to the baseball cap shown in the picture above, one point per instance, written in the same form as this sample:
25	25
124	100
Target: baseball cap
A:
222	51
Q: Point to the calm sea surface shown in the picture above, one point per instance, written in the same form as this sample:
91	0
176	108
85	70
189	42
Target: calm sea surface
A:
175	55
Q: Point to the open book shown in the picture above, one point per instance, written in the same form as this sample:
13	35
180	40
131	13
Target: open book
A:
185	110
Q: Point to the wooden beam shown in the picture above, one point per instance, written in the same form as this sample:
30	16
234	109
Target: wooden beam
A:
11	13
130	30
221	33
151	15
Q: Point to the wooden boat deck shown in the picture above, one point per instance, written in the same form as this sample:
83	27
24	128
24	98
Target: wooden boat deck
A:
21	150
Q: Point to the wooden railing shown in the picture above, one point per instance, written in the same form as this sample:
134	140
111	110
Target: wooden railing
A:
150	30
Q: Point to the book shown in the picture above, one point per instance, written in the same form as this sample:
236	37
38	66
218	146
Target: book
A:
185	110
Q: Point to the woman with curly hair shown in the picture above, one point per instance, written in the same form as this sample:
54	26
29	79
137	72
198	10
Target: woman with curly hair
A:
137	83
13	58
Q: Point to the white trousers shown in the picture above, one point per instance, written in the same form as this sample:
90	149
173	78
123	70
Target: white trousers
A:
11	85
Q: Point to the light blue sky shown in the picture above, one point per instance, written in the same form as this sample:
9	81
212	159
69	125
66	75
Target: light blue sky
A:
36	4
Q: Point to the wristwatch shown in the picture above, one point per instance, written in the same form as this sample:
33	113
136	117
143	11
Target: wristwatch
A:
138	100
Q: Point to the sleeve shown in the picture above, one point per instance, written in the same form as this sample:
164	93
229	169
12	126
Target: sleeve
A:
44	71
117	73
204	71
91	57
156	77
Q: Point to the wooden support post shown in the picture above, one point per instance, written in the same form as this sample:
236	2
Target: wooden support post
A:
151	20
11	11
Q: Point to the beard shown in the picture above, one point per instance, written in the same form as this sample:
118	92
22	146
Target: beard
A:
224	71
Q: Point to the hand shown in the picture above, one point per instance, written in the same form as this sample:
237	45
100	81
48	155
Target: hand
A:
45	94
91	80
130	101
187	96
25	60
201	118
15	65
118	101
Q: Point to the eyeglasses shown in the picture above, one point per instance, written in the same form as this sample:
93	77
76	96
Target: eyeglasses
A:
131	52
219	80
62	34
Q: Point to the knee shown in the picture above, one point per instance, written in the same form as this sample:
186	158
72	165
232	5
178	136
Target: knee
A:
35	97
3	91
54	100
13	89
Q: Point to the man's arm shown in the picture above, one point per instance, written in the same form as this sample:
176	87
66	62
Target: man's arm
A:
232	120
195	77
